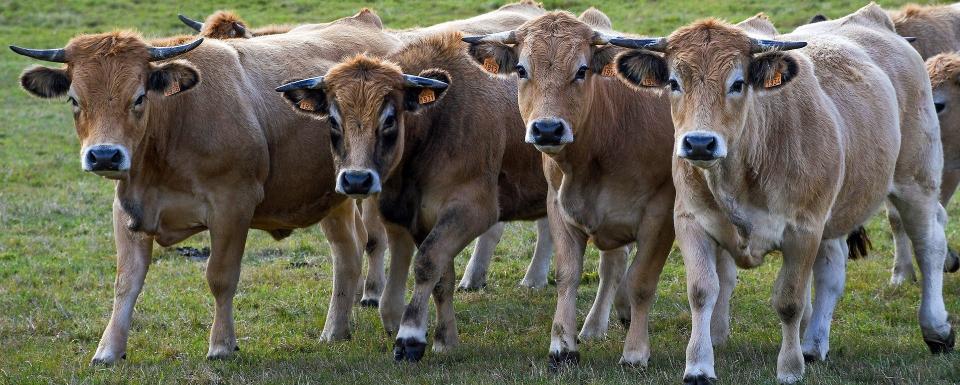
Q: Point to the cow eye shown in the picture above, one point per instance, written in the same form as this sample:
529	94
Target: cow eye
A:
521	72
674	86
73	102
334	125
581	73
390	122
139	101
736	87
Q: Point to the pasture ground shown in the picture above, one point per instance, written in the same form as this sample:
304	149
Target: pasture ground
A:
57	254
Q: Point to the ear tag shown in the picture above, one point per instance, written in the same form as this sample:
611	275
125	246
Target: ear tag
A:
427	96
307	105
490	65
649	81
776	80
173	89
608	71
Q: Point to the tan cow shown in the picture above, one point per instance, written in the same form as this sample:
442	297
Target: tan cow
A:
182	163
790	151
606	157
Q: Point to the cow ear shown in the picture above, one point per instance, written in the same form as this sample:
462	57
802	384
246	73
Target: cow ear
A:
495	57
419	96
772	70
603	62
45	82
642	69
311	101
173	77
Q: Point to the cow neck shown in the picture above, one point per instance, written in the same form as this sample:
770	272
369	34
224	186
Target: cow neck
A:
150	158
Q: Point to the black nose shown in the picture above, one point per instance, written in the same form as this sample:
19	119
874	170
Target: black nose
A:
547	132
939	106
104	158
357	182
699	147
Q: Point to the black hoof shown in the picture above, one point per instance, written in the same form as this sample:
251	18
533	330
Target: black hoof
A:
625	322
699	380
370	302
942	347
952	264
408	349
558	361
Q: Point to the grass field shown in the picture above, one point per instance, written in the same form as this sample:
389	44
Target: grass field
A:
57	254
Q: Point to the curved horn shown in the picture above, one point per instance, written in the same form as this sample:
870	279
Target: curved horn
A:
56	55
305	84
658	44
161	53
600	38
196	25
422	82
505	37
760	45
241	30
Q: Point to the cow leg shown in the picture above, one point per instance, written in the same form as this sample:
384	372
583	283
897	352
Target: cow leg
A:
951	178
720	321
376	247
445	337
829	277
402	247
569	245
536	276
903	257
790	291
339	226
703	286
457	224
475	275
612	264
228	236
133	258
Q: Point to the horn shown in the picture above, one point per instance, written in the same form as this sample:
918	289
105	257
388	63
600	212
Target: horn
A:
241	30
196	25
305	84
505	37
767	45
56	55
658	44
910	39
161	53
422	82
600	38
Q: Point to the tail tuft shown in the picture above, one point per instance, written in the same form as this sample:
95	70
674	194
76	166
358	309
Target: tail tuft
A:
859	243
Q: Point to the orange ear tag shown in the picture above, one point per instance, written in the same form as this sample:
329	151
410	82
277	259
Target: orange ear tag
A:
490	65
608	71
307	105
173	89
776	80
649	81
427	96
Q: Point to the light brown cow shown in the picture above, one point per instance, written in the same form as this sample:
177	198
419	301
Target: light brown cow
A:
770	155
183	163
606	157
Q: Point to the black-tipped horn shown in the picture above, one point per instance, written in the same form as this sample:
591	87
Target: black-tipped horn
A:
600	38
505	37
196	25
760	45
240	28
422	82
161	53
309	83
910	39
658	44
56	55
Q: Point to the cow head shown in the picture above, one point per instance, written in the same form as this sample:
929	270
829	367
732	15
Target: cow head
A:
110	81
712	70
556	58
944	71
366	100
220	25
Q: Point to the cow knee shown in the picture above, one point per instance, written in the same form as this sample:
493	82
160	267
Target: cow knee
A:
703	295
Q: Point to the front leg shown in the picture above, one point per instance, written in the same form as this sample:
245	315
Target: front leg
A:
569	244
539	268
228	236
133	257
789	296
703	286
339	227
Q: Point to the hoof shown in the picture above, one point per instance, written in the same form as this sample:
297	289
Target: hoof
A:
558	361
810	358
625	322
370	302
699	380
408	349
952	264
471	288
942	347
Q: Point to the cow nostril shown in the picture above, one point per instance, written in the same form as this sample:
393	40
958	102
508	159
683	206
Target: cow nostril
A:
91	157
117	157
712	145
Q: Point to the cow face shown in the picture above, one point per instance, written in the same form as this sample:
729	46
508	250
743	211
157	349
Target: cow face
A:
110	82
713	71
556	58
944	71
366	101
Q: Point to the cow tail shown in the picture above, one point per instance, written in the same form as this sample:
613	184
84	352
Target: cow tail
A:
859	243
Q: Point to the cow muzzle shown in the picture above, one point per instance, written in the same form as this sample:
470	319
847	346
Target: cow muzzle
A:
110	161
358	184
702	149
549	135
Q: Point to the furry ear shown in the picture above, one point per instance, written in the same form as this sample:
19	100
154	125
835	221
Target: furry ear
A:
494	57
772	70
45	82
417	97
173	77
308	100
642	69
603	62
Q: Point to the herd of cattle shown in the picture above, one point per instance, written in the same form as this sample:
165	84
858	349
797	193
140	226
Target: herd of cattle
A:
731	139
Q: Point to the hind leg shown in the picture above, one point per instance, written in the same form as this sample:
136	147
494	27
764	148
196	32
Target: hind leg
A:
475	275
536	276
951	178
376	247
720	321
903	257
829	277
612	263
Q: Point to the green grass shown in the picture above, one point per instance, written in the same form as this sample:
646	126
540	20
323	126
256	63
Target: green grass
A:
57	254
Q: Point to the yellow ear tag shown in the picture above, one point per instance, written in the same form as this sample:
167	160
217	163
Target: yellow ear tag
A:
776	80
649	81
490	65
307	105
608	71
427	96
173	89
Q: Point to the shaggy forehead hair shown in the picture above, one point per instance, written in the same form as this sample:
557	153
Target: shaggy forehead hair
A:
110	44
943	68
709	47
560	24
362	82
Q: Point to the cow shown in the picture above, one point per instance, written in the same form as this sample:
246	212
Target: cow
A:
150	115
229	25
606	158
779	146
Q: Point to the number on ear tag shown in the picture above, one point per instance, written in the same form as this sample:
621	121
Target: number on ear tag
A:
608	71
307	105
776	80
172	89
649	81
490	65
427	96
